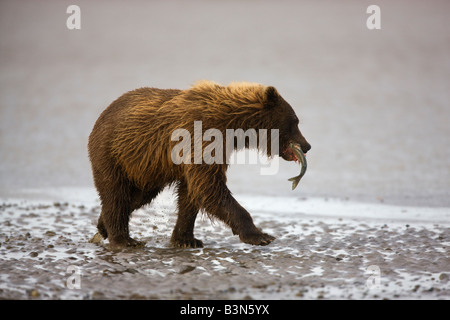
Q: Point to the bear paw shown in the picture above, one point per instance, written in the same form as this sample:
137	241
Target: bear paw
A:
119	244
259	239
186	243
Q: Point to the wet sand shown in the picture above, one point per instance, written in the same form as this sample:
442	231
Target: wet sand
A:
318	254
373	104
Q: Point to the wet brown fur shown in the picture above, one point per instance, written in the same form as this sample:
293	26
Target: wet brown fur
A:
130	151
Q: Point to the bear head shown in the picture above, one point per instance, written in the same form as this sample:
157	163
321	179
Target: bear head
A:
280	115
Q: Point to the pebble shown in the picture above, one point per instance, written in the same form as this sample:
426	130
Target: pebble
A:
34	293
443	277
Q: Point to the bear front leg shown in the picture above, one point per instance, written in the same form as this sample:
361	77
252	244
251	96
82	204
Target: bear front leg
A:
207	187
222	205
241	223
183	233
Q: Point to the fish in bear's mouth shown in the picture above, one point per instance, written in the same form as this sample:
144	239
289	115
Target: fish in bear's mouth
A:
294	153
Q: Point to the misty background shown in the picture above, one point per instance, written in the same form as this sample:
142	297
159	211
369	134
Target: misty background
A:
374	104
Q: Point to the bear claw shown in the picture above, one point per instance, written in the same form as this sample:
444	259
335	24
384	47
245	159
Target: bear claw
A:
187	243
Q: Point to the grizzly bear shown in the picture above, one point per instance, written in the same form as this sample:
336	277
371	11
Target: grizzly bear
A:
130	152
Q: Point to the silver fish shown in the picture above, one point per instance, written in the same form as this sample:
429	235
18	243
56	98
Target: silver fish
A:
300	157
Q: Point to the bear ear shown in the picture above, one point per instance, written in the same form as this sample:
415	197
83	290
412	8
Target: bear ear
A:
271	97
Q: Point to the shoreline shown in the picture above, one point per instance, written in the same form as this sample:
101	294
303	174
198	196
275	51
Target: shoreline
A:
89	195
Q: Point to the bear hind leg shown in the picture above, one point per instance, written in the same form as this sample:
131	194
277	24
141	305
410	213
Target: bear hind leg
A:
115	219
137	198
117	206
183	233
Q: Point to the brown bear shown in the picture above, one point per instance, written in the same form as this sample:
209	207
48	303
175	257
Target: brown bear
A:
130	150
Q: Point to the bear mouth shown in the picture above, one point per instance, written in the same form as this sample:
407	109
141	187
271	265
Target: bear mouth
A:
288	154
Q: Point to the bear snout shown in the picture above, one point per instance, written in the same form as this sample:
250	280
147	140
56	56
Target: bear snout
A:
305	147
